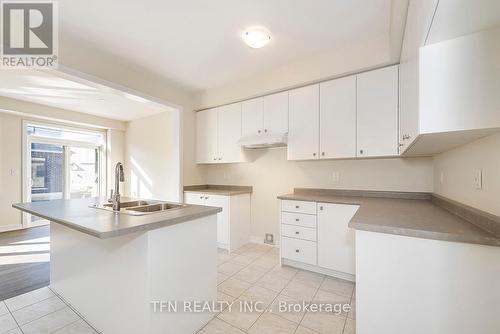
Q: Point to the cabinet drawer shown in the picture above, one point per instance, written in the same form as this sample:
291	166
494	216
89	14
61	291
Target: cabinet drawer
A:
298	232
298	219
298	250
299	206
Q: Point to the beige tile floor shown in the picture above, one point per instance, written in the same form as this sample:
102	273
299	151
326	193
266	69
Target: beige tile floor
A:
250	274
40	311
253	273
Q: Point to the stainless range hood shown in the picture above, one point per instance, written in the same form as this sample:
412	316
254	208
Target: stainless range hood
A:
264	141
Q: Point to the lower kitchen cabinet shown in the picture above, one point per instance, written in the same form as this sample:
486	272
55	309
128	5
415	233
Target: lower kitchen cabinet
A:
233	223
316	237
335	238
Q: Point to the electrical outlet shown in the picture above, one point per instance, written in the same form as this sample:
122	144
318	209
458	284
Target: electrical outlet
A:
335	177
269	239
478	179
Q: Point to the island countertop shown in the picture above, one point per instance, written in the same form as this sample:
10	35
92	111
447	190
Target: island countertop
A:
77	214
408	214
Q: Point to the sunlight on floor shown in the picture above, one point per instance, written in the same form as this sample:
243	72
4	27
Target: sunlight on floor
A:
27	251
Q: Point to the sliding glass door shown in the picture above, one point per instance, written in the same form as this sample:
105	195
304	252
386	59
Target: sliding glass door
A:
61	164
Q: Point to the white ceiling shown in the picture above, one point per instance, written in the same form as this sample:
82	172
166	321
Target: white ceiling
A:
455	18
197	43
61	90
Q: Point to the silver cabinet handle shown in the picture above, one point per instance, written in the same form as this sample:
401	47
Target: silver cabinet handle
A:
321	208
296	219
206	197
361	151
265	130
314	154
297	251
220	158
297	232
406	136
215	158
296	207
201	197
323	153
258	131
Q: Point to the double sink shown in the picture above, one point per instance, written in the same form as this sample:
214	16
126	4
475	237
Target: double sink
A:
140	207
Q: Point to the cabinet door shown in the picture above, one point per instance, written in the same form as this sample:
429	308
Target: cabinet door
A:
194	198
206	136
276	113
222	217
337	114
229	126
377	124
252	117
335	238
303	133
418	22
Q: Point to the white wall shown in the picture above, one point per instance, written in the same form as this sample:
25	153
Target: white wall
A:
458	167
10	160
321	66
271	174
152	158
12	114
106	66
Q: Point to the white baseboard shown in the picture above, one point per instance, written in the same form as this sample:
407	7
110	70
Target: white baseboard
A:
319	270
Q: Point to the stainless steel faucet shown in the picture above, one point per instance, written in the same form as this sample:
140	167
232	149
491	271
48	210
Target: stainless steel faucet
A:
119	177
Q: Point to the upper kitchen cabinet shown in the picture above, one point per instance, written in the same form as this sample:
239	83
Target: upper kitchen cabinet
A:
265	115
276	113
218	132
206	136
338	118
418	23
252	117
229	133
449	75
377	113
303	132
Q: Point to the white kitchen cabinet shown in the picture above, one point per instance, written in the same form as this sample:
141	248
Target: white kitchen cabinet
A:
459	83
337	118
218	133
252	117
265	115
222	217
316	237
233	223
335	238
276	113
377	113
206	136
418	23
303	132
229	133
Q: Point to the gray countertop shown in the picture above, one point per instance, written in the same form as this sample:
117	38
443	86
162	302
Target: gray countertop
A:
225	190
103	224
419	218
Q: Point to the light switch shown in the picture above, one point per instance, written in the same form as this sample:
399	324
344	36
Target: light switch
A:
478	179
441	177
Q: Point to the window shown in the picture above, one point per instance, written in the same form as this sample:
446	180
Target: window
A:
62	163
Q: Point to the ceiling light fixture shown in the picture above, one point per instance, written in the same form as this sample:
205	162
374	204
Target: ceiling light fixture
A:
256	37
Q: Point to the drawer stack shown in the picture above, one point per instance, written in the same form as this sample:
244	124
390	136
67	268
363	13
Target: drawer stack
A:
299	232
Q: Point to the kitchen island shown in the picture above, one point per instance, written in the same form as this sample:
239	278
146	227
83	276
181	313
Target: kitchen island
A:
113	268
